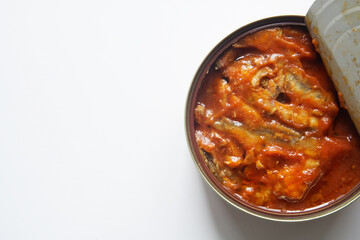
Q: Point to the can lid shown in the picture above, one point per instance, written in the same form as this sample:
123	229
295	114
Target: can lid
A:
335	27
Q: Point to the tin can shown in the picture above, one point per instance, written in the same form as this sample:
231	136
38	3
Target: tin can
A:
309	214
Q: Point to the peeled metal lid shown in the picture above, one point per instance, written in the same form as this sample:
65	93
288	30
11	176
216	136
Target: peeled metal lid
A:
335	25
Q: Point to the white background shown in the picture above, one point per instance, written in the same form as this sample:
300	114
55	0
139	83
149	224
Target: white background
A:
92	140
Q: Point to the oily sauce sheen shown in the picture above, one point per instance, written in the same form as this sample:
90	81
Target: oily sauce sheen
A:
269	125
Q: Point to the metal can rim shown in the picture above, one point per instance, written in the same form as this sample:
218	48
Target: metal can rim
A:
321	211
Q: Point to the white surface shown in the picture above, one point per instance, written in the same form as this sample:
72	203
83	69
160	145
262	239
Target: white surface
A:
92	142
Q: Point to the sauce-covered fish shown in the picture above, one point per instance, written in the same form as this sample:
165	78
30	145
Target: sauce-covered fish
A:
269	125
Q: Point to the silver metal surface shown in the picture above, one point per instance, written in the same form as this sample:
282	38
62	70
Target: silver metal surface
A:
335	24
315	213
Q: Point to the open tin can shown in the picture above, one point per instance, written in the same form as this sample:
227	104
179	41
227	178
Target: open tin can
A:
291	216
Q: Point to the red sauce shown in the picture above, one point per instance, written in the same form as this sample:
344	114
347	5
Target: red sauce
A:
269	125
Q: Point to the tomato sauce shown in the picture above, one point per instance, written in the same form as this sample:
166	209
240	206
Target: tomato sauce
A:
269	125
